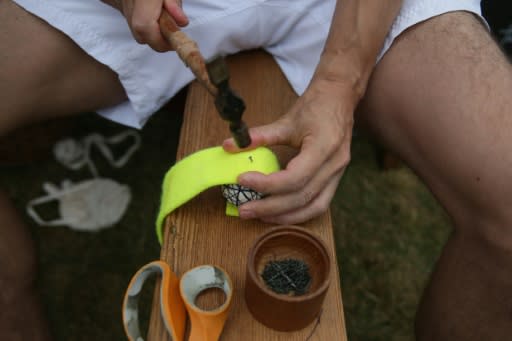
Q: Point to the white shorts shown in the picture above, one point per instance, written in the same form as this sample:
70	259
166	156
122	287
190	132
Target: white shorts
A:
293	31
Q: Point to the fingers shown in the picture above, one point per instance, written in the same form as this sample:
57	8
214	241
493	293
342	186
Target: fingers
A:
320	125
305	187
144	24
314	208
309	198
175	10
318	154
143	15
317	207
297	174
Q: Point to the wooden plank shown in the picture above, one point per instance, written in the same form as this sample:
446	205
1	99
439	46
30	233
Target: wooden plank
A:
200	233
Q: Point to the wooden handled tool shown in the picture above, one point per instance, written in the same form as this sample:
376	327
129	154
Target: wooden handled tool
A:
186	49
213	76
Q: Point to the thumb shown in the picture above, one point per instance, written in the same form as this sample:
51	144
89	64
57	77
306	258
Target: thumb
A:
174	7
277	133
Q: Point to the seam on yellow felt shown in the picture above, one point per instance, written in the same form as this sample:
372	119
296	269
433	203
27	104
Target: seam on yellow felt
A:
207	168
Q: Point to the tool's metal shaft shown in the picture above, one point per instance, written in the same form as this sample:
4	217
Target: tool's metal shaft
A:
229	105
214	76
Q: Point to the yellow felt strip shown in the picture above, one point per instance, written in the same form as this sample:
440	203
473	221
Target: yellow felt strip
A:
231	210
207	168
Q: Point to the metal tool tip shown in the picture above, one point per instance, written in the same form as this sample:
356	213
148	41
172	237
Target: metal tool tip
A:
241	135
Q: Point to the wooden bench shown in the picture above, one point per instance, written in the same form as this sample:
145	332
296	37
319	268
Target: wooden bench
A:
200	233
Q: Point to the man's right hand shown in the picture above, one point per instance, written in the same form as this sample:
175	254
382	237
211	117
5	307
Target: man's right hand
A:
143	15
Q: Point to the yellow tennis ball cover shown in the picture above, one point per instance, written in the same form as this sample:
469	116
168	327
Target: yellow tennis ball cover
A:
207	168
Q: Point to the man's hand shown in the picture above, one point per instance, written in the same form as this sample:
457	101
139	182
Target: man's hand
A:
320	125
143	15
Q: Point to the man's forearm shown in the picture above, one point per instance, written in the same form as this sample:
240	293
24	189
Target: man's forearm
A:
357	34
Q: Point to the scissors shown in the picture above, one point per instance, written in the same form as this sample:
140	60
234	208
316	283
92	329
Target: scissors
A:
177	298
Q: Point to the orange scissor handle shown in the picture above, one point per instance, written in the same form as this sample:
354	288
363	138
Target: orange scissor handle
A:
176	298
171	305
206	325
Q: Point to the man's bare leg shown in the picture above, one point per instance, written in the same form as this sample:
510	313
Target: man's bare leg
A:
441	99
44	74
21	317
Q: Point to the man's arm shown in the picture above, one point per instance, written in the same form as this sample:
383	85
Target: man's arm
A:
320	122
355	39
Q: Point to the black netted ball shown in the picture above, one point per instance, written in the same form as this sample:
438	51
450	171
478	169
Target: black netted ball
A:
238	195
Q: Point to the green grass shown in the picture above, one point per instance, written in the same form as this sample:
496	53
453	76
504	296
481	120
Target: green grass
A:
388	228
389	231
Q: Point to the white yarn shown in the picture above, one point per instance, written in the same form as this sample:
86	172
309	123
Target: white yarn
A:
70	153
90	205
75	154
94	204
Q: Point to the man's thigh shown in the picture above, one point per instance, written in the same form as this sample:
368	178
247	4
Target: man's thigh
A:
45	74
440	98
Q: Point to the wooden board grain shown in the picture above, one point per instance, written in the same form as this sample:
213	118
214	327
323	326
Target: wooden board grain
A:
200	233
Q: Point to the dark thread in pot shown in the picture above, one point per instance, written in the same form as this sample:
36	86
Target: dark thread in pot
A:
288	277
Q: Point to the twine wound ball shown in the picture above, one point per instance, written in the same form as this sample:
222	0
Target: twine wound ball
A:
238	195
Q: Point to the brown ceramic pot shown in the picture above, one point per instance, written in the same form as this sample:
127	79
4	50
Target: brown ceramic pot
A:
278	311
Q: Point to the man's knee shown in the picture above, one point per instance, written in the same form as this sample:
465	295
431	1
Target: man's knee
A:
58	79
439	99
